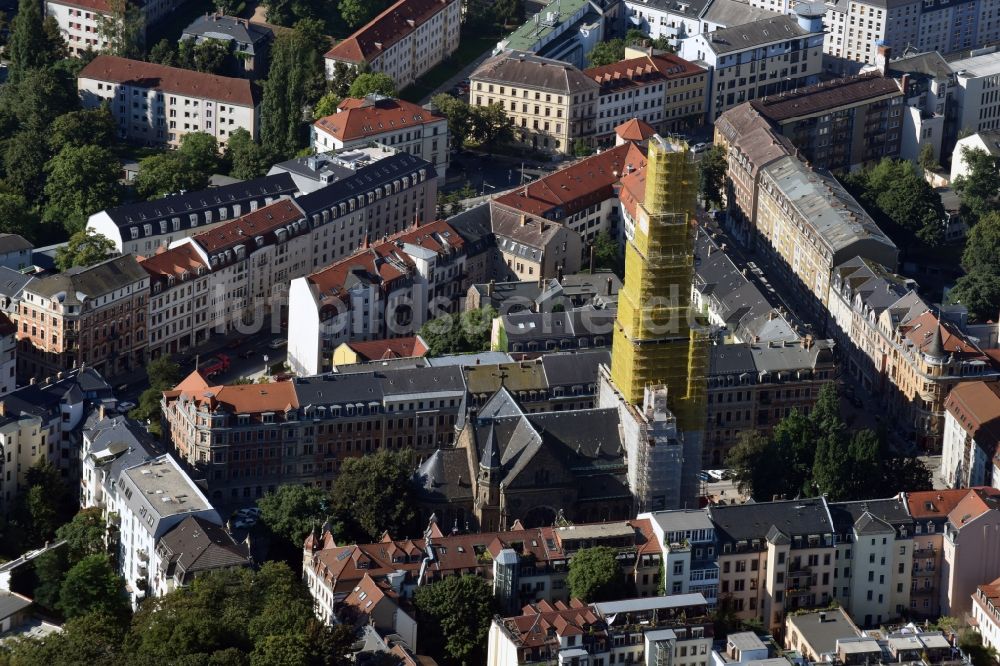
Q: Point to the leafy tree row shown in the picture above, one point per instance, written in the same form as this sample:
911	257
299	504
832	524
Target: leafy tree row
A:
211	56
901	201
979	189
460	332
820	456
225	618
979	288
613	50
482	126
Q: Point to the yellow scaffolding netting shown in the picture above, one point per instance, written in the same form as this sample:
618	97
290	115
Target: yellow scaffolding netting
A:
655	339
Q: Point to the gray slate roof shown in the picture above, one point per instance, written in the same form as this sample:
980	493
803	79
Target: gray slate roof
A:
80	284
363	180
213	26
519	68
755	34
13	243
11	603
195	545
735	522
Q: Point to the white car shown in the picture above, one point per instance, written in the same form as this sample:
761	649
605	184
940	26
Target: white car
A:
125	405
699	148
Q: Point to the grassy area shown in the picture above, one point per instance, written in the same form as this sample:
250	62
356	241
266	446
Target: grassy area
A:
470	47
172	25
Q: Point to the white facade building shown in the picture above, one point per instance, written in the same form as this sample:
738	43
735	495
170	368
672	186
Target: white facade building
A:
80	20
394	122
157	105
987	141
404	41
978	92
151	498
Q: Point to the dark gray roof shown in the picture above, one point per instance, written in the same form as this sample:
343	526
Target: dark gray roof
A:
79	283
44	399
755	34
449	378
191	203
524	326
444	475
338	389
576	367
213	26
118	443
12	282
527	69
930	64
736	522
11	603
363	180
195	545
473	225
692	9
733	359
734	12
13	243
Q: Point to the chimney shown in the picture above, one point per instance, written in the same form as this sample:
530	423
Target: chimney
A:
524	219
100	413
32	381
3	409
559	273
822	616
904	83
607	290
489	287
591	259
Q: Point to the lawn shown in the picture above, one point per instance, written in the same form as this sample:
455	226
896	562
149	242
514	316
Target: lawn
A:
172	26
471	47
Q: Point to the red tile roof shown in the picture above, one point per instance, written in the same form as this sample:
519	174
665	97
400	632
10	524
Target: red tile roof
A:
920	331
976	405
933	503
92	5
975	503
533	625
576	187
635	130
360	118
379	350
642	71
173	262
392	25
169	79
238	398
243	229
384	262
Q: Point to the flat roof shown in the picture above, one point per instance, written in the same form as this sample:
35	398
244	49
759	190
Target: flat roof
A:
822	637
650	603
596	531
166	487
537	28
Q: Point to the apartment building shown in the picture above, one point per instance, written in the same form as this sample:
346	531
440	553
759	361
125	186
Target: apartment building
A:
405	41
750	144
978	90
931	113
388	289
157	105
969	549
582	196
807	224
986	613
15	252
930	510
180	287
759	59
534	248
840	124
42	422
248	439
774	557
687	540
971	435
540	332
752	386
905	354
551	104
108	446
80	21
874	559
988	142
522	565
250	43
678	20
144	227
409	127
674	628
152	498
96	315
8	355
662	90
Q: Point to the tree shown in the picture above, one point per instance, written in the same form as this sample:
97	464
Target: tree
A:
978	291
24	164
163	53
982	248
187	168
16	217
607	53
343	76
457	612
123	28
926	159
245	156
605	251
28	47
91	586
81	181
87	127
581	149
979	187
212	56
84	534
752	478
39	508
594	575
293	510
93	638
164	373
372	495
712	176
39	97
84	248
491	126
459	333
370	83
356	13
900	198
458	112
281	650
327	105
295	79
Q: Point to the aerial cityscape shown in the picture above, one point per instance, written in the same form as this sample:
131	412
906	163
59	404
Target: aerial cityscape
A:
523	332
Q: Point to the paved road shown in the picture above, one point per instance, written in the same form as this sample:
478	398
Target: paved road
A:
457	78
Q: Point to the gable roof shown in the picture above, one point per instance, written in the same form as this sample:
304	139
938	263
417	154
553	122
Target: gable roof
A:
82	283
755	34
374	115
642	71
635	129
243	229
976	406
375	37
236	398
377	350
196	544
526	69
186	82
825	96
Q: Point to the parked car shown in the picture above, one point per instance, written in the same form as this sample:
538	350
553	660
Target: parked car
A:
126	405
278	343
699	147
